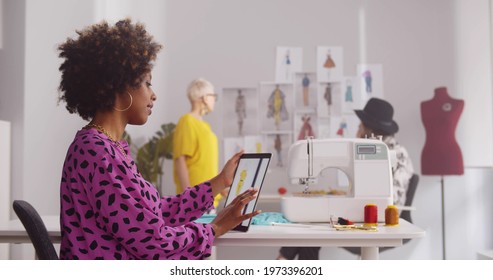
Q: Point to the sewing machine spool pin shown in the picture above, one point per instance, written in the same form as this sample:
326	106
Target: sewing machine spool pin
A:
309	151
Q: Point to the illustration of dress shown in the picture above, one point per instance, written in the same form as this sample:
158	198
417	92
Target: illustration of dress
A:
306	129
306	93
329	63
277	107
368	80
328	96
240	108
287	61
342	127
278	148
243	175
349	92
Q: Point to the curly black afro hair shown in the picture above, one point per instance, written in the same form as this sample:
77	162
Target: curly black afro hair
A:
102	62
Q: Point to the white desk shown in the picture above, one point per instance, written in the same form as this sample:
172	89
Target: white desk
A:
323	236
14	232
277	236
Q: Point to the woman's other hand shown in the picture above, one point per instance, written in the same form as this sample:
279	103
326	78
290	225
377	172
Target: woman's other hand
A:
225	178
232	215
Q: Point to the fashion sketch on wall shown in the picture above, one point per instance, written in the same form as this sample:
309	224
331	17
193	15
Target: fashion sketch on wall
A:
330	64
240	111
289	60
344	126
250	144
278	144
351	97
371	81
329	99
232	145
305	125
305	90
276	106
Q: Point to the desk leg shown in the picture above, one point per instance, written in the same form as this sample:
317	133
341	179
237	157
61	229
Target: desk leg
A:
369	253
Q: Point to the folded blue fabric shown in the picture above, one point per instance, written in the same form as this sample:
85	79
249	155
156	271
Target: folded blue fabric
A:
267	218
206	218
262	219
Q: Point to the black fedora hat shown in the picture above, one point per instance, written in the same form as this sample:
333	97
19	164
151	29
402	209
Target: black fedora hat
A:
377	115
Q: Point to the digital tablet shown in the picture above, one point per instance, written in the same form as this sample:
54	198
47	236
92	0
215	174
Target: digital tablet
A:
249	173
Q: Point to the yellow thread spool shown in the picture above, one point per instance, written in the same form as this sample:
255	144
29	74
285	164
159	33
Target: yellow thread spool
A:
391	216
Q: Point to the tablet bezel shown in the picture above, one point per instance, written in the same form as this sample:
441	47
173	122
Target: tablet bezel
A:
240	227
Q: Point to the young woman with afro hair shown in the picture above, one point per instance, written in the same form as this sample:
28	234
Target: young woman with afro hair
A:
108	211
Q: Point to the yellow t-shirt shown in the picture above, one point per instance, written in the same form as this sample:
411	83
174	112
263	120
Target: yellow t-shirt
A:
195	140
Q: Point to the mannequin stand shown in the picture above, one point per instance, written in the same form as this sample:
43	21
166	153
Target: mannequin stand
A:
443	217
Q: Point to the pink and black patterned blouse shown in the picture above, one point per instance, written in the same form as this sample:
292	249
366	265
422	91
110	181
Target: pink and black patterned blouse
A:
108	211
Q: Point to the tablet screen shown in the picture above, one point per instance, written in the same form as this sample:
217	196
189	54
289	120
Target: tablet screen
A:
250	173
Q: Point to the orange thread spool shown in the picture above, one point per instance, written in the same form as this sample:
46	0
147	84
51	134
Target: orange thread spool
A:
391	216
371	215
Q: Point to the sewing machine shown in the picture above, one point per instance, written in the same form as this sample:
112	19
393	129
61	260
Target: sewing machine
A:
367	164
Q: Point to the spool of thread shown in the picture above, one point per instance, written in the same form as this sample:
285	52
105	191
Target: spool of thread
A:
371	215
391	216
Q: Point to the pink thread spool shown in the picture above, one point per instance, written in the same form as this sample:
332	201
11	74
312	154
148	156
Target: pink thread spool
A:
371	215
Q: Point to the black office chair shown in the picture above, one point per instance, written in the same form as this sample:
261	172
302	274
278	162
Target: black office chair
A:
36	229
405	215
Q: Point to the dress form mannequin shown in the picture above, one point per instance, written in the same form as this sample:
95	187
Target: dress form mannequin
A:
441	154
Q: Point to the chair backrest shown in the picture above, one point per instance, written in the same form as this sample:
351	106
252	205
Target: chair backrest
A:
36	230
411	190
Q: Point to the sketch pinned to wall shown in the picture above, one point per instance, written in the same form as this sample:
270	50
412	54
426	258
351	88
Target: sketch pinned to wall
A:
329	64
240	112
288	61
254	144
305	125
305	90
344	126
371	80
323	128
276	103
249	144
232	145
278	144
240	109
329	99
351	97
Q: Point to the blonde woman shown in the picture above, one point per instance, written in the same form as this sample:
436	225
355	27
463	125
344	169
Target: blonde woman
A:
195	146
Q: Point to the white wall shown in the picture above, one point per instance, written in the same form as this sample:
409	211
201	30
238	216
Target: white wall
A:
11	93
5	150
232	43
1	24
421	45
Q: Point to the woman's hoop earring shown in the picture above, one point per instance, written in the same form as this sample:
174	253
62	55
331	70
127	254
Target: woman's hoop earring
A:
131	101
